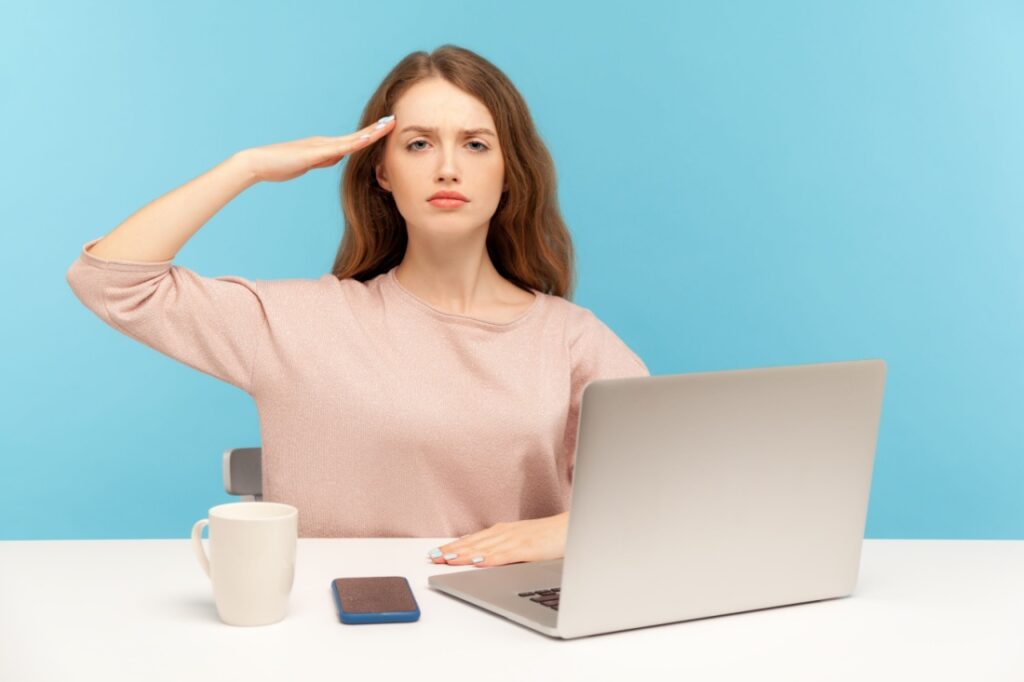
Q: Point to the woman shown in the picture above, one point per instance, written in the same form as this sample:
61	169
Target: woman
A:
429	386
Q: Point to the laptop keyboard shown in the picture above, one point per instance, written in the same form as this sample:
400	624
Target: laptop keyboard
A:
548	597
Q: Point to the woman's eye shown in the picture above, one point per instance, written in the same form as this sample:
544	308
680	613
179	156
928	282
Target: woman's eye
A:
410	145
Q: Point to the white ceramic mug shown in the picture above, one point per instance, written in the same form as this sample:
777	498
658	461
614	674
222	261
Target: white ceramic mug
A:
252	559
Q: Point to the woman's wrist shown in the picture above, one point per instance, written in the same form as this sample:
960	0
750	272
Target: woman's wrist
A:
242	162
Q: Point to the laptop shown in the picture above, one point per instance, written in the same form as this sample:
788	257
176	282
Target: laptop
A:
698	495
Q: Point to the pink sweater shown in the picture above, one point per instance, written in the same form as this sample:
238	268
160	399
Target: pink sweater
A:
380	415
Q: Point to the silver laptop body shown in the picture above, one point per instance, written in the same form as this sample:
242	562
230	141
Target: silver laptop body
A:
703	494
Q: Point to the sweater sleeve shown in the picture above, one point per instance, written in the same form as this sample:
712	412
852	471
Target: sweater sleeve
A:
596	353
213	324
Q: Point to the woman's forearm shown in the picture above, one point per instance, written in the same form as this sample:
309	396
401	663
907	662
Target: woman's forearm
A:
157	231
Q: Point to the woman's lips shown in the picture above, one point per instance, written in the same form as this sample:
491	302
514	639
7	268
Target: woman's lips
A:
447	203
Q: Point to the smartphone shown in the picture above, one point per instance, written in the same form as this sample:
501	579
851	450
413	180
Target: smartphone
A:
375	599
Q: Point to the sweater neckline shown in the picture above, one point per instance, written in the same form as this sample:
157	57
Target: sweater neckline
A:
407	295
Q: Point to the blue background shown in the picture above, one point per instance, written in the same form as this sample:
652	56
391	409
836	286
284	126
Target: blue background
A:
748	184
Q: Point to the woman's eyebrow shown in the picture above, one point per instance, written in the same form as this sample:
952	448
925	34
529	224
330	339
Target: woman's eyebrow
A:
464	131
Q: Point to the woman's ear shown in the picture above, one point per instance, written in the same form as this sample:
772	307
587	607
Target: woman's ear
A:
382	178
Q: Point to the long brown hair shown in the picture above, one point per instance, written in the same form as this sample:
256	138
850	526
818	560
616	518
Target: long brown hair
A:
527	240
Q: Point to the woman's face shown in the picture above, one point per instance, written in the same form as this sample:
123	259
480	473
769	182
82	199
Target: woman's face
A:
419	162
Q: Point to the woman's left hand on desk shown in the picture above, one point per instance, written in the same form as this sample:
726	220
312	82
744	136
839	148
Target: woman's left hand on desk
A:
508	543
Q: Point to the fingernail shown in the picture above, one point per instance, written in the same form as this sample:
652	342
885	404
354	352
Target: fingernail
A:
477	559
450	556
434	553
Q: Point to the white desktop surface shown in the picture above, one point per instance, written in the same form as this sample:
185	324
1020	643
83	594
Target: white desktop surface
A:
143	610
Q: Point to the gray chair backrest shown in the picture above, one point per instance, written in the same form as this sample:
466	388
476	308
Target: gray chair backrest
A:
243	473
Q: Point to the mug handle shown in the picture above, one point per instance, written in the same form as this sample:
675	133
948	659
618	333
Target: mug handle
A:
197	544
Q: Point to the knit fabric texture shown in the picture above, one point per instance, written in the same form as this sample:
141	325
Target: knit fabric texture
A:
380	415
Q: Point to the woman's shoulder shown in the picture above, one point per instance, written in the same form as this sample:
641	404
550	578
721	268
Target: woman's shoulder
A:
326	284
588	333
576	317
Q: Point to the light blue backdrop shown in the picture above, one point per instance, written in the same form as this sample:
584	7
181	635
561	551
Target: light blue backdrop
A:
748	184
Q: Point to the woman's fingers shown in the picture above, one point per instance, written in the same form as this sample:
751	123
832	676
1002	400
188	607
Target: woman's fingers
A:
287	160
510	542
467	551
471	545
505	550
370	133
327	151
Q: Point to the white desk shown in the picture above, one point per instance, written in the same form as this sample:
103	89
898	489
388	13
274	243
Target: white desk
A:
143	610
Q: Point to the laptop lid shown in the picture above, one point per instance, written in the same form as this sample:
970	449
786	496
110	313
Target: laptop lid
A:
708	493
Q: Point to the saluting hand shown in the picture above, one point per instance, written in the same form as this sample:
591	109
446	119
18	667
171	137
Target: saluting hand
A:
287	160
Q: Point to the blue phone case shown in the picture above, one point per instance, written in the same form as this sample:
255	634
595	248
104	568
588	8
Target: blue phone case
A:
375	599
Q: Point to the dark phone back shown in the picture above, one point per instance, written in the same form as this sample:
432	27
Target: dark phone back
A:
375	599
